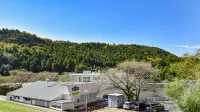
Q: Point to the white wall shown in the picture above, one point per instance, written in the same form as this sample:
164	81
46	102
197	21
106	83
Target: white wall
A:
68	106
75	78
33	102
113	101
47	104
9	96
20	99
90	87
27	102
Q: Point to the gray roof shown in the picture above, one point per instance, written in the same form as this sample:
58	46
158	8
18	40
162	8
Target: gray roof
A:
63	101
42	90
116	94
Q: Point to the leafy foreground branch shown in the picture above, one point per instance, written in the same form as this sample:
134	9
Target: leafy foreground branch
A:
185	94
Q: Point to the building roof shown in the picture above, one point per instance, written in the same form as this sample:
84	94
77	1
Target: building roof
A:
86	73
42	90
115	94
45	90
82	74
63	101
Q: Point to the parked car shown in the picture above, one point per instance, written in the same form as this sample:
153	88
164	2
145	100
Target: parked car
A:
103	102
129	105
140	106
154	106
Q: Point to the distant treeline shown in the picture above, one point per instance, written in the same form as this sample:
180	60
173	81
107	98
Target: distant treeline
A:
22	50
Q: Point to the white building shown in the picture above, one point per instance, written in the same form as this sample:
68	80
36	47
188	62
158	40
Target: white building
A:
56	95
116	100
87	76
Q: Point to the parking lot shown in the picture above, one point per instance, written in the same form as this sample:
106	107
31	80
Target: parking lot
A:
107	109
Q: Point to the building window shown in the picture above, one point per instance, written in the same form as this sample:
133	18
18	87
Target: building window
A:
16	97
94	78
56	105
80	79
27	99
82	98
94	95
86	79
90	96
119	100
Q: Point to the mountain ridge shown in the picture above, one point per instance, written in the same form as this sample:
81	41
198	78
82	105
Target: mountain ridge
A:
41	54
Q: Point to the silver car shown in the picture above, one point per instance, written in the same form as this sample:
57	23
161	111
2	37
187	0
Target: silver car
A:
129	105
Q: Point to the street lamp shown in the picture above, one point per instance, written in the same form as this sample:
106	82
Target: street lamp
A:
86	91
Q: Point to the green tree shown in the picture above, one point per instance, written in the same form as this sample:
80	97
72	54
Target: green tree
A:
80	67
188	68
4	69
57	65
22	49
131	77
185	95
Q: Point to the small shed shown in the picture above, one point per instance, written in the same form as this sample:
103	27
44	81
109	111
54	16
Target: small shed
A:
116	100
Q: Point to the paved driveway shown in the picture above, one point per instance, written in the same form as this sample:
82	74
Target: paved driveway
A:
107	109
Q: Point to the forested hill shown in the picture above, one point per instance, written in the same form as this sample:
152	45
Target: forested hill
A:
22	50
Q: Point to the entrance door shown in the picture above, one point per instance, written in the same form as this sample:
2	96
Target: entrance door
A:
11	99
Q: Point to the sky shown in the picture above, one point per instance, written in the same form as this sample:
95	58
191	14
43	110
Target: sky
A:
173	25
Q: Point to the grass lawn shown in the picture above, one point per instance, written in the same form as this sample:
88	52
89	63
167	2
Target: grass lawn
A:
12	107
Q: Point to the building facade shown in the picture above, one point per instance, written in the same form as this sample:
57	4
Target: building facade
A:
87	76
56	95
116	100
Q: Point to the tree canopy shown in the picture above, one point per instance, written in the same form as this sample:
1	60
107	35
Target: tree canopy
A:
185	94
22	50
131	77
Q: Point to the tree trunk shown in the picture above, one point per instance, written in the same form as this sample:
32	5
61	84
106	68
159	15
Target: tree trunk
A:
129	97
137	95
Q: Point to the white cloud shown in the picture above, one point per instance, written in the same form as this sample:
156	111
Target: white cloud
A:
187	46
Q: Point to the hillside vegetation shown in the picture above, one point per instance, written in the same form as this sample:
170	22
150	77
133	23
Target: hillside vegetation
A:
22	50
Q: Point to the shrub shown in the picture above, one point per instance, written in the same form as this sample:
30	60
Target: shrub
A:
4	89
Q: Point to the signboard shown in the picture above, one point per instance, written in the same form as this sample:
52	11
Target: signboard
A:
75	91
